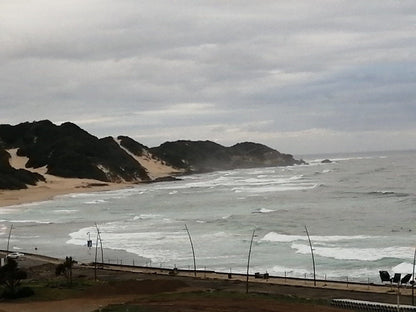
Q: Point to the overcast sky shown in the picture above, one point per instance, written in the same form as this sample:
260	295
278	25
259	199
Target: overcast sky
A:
304	76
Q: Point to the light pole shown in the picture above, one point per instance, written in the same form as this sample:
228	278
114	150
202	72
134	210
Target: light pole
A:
8	239
192	247
101	243
248	259
413	279
313	258
96	250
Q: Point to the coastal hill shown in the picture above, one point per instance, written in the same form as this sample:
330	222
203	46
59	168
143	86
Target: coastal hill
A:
68	151
206	156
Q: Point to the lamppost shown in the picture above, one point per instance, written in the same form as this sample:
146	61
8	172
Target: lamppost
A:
413	279
96	250
248	259
192	247
8	239
313	258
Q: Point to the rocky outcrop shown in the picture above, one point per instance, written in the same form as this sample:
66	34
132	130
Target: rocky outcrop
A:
68	151
205	156
14	179
326	161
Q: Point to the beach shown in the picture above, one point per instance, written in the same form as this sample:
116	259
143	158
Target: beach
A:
55	186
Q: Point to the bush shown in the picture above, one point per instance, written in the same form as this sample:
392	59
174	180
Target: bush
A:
20	293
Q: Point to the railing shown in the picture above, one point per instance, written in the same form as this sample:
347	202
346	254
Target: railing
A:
359	305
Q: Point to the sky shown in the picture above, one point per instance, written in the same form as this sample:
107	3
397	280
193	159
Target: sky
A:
303	77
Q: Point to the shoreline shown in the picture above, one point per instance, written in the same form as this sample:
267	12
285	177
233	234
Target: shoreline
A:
55	186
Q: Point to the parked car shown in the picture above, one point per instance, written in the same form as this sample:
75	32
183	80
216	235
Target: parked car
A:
15	255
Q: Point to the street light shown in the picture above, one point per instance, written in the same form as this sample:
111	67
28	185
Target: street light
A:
8	239
192	247
313	258
413	279
96	250
248	259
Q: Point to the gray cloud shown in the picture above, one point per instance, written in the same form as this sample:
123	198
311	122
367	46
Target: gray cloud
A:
288	74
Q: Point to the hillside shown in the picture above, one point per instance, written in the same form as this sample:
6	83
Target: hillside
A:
68	151
206	156
13	179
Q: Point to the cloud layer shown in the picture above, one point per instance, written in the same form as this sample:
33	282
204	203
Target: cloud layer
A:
301	76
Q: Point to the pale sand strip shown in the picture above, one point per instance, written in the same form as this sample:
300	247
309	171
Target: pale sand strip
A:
154	167
55	186
58	186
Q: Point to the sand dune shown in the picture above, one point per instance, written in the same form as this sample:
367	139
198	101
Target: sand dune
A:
59	186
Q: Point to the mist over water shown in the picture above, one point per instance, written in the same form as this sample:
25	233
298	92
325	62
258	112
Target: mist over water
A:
360	212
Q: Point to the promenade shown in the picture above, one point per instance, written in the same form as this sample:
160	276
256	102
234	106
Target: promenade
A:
238	282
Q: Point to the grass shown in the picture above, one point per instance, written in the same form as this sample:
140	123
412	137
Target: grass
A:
55	289
203	295
127	308
237	296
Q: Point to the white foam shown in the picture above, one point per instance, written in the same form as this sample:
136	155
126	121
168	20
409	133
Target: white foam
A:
3	229
14	208
65	211
150	245
284	238
264	210
28	221
276	188
8	210
95	202
145	216
363	254
404	267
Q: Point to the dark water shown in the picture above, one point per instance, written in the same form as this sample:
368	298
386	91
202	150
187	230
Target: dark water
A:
360	211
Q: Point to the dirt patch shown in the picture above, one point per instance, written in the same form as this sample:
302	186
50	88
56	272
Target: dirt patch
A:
215	304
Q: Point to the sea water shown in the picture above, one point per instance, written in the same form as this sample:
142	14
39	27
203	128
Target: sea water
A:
360	212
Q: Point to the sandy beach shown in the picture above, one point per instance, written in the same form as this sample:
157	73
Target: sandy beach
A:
55	186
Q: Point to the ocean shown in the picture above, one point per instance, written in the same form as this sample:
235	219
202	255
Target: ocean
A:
360	212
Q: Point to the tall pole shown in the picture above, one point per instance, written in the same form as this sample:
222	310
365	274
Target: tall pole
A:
95	260
96	251
101	244
192	247
413	279
248	259
8	239
313	258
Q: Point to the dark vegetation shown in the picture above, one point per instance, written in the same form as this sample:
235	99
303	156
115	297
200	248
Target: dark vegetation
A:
13	179
206	156
132	146
11	277
65	269
69	151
